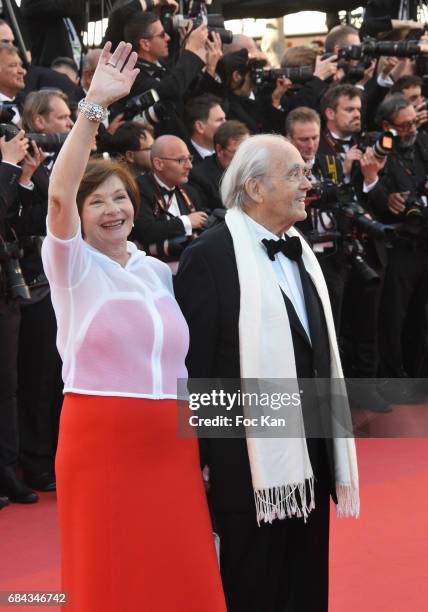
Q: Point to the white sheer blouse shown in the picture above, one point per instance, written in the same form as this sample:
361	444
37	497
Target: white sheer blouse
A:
120	330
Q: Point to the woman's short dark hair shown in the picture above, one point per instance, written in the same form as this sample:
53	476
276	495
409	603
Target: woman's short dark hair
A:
99	170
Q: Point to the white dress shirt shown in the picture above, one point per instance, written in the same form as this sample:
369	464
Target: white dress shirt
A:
287	274
174	209
203	152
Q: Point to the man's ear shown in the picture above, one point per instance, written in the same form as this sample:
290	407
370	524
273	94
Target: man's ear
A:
157	164
199	126
39	123
252	189
329	113
130	157
144	44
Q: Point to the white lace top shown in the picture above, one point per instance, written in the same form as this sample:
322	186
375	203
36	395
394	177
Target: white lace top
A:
120	330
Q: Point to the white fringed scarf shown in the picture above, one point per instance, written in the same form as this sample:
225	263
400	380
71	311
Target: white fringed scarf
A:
280	467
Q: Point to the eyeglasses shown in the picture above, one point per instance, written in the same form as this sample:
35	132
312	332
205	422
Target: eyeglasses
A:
146	149
179	160
162	34
406	125
295	175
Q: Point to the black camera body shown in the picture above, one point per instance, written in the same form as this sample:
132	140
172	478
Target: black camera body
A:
415	215
171	250
353	225
381	143
197	15
50	143
10	254
299	75
149	107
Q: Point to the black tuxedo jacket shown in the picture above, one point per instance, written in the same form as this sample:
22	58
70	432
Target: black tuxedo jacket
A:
206	177
207	289
153	228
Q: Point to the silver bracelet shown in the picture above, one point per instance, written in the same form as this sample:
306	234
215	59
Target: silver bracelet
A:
92	111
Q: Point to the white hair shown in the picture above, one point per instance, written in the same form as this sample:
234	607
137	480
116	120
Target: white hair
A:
254	157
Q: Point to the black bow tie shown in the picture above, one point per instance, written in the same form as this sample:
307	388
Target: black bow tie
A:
167	192
342	143
291	248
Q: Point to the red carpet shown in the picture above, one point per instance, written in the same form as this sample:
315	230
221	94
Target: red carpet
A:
379	563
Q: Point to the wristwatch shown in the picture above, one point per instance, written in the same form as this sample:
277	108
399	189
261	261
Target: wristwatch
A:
92	111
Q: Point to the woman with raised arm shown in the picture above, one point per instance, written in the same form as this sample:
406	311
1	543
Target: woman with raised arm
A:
135	530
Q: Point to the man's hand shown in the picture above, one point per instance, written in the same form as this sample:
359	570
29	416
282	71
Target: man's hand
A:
403	67
368	73
352	155
115	123
172	4
421	114
371	165
197	219
197	40
282	85
396	202
14	150
325	68
31	163
214	53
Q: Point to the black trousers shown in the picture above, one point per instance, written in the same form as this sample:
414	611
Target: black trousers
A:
9	332
278	567
403	309
335	273
39	387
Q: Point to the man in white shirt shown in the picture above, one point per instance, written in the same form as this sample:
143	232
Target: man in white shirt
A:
257	307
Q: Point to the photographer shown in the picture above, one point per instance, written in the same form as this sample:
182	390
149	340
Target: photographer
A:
411	87
150	41
13	152
258	108
399	198
45	112
170	211
310	92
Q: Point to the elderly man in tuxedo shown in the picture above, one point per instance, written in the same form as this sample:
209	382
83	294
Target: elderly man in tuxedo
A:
257	308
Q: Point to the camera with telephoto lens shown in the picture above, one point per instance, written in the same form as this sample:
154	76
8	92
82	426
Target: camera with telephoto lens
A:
10	254
297	74
353	225
50	143
372	48
197	15
381	143
148	106
171	250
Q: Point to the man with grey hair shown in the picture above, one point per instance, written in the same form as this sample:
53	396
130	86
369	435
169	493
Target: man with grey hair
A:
257	308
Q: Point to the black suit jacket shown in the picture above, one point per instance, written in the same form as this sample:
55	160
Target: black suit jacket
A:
47	32
152	225
206	177
207	289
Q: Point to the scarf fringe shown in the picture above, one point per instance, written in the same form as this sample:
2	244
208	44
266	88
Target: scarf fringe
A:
283	502
348	501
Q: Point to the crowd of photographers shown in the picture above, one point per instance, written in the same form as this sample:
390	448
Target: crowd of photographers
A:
356	113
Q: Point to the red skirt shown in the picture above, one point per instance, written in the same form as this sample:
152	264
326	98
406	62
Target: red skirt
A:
135	528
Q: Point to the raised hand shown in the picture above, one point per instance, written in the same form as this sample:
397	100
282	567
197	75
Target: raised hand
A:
114	75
